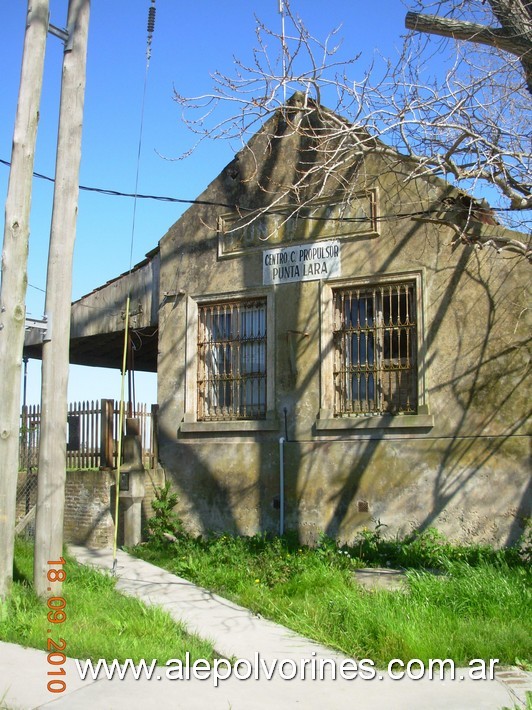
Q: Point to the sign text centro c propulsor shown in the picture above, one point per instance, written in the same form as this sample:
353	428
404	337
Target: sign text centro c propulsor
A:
305	262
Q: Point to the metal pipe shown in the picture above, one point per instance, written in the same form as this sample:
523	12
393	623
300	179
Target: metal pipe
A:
281	485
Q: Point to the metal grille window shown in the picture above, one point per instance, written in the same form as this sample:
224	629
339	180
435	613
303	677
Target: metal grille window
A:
375	350
232	360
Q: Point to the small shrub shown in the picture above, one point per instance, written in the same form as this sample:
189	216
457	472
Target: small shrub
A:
524	544
165	524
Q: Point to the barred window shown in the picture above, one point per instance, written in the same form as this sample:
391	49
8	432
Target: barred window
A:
375	350
232	360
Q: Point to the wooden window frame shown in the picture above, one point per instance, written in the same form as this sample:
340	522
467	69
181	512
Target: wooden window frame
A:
192	422
329	417
232	363
375	349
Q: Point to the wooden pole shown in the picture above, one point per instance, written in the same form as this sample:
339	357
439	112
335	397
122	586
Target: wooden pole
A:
154	436
14	275
55	355
106	436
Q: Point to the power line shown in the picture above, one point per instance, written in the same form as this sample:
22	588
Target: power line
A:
179	200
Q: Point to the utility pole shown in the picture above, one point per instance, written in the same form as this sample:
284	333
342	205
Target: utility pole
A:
14	275
55	355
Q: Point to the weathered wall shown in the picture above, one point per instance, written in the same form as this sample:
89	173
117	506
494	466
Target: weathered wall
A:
89	504
470	490
461	464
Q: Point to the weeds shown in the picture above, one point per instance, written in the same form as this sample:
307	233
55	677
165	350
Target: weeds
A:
430	549
476	605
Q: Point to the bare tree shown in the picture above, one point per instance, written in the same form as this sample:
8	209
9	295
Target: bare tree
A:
468	123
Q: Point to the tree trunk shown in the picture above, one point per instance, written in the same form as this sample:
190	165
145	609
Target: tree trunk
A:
14	275
55	356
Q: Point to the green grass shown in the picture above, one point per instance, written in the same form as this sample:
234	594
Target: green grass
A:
477	607
100	623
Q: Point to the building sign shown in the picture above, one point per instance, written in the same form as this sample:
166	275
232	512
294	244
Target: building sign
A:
330	219
306	262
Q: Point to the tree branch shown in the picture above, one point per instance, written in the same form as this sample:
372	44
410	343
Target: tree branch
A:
505	38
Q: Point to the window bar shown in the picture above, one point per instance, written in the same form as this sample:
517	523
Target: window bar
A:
232	360
254	332
337	357
222	347
201	359
228	373
232	370
409	359
387	363
342	389
250	344
352	362
362	354
207	350
351	354
374	330
375	349
346	317
254	375
246	342
348	354
216	347
215	356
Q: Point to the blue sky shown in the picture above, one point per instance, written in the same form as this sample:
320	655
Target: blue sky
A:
191	41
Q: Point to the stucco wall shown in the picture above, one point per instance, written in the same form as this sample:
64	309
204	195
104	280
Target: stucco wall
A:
462	464
471	490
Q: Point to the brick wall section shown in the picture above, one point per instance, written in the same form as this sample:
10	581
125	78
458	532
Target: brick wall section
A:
88	520
89	504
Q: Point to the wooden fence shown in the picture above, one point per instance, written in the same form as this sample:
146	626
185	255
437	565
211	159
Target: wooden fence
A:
92	434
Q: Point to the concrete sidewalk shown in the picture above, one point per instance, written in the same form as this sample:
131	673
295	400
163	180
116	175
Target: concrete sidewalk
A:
237	634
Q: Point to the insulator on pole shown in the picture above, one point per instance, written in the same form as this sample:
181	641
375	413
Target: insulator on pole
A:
151	19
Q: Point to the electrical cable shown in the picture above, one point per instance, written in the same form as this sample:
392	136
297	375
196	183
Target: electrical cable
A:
127	341
151	27
212	203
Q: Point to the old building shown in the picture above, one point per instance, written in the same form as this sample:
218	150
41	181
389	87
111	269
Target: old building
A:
328	352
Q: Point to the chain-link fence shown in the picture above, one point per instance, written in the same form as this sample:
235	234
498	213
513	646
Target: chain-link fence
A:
30	421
